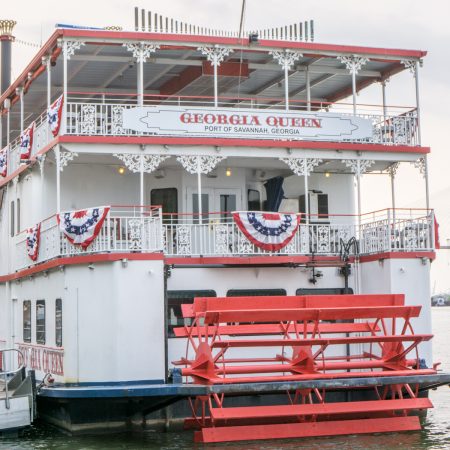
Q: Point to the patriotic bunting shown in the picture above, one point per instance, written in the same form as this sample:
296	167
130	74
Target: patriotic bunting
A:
82	227
54	115
269	231
26	142
33	239
4	162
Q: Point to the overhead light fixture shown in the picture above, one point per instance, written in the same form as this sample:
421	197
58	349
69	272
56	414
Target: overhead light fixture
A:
327	174
121	170
160	173
228	172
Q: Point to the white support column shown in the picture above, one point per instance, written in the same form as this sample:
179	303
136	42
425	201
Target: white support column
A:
19	92
392	171
199	191
383	92
308	89
58	178
353	65
46	60
303	167
141	52
286	59
215	55
68	48
141	182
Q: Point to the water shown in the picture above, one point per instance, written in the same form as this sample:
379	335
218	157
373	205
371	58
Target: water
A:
435	434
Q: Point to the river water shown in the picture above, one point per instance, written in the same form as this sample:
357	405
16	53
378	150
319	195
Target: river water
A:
435	434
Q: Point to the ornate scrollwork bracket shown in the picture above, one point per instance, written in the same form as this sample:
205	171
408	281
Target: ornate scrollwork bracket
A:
302	166
203	164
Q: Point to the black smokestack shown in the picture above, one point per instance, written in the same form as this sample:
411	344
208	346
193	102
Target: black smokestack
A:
6	38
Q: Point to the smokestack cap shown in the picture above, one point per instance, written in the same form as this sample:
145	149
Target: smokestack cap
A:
6	27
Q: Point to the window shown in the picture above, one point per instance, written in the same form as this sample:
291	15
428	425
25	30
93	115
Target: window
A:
27	321
254	292
322	206
12	214
58	322
322	291
40	322
18	230
227	204
168	199
174	301
254	200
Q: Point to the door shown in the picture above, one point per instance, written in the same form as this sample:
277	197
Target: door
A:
226	201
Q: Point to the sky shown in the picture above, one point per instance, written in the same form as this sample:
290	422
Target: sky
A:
409	24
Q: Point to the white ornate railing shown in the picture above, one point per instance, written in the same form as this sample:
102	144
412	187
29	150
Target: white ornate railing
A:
124	230
133	231
380	233
41	138
106	119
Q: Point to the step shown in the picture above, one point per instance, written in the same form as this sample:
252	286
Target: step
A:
318	409
320	341
289	315
307	429
275	328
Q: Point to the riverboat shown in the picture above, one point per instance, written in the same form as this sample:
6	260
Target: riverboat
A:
183	234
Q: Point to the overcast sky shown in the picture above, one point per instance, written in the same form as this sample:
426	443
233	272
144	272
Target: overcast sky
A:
411	24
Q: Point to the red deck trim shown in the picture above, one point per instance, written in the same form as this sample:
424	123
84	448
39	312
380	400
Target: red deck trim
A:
398	255
84	259
220	260
230	142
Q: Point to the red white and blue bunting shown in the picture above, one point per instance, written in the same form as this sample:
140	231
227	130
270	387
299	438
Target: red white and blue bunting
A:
26	142
269	231
82	227
4	162
54	114
33	240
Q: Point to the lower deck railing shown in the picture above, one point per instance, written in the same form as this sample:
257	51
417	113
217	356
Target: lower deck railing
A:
218	235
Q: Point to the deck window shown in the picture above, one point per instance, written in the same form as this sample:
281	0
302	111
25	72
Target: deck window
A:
254	200
26	321
40	322
323	291
167	198
254	292
18	230
12	218
205	208
58	322
174	301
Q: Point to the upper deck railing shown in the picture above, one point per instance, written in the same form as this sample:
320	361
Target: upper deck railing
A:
101	114
133	229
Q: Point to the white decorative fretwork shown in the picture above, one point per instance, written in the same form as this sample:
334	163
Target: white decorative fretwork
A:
323	239
302	166
87	119
353	63
215	55
137	162
117	120
358	166
183	240
410	65
245	247
421	164
199	163
221	239
70	47
304	239
286	58
400	130
41	161
393	169
141	51
65	156
135	234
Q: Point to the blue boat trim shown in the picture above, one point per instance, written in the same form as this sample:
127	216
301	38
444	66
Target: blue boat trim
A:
187	390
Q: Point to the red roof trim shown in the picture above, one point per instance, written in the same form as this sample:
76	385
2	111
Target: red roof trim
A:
229	142
309	46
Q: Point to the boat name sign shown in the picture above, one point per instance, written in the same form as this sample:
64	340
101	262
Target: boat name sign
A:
246	123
